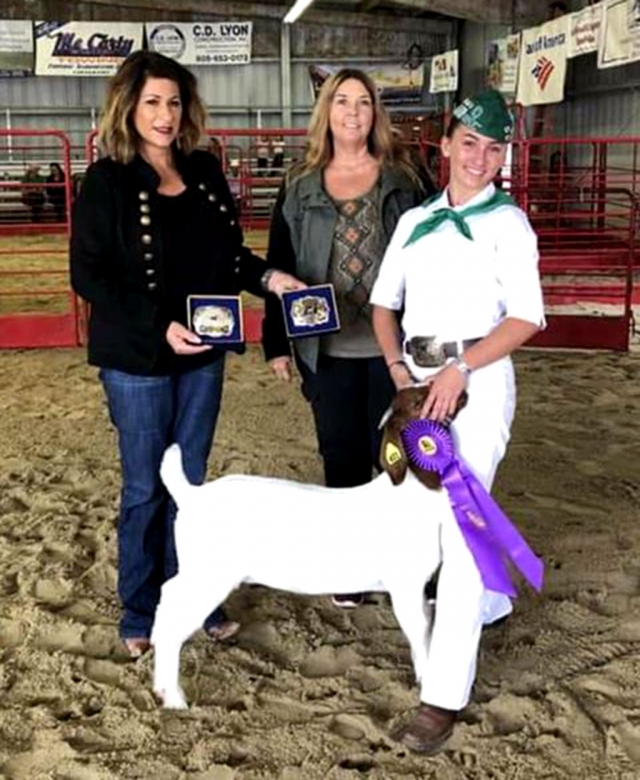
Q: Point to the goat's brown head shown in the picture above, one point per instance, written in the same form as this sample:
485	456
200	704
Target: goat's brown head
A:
406	406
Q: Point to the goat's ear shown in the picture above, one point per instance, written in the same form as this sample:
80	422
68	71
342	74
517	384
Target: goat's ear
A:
393	457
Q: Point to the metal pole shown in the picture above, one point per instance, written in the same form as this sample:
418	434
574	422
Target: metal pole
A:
285	73
9	138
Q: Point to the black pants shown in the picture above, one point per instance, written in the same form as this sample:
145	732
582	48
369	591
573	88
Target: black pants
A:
348	397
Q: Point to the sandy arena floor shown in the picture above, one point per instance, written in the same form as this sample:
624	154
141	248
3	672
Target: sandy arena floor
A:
307	691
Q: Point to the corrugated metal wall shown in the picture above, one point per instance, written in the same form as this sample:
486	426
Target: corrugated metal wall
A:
600	102
474	40
238	96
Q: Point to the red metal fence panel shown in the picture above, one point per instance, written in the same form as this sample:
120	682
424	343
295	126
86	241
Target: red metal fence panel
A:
582	196
37	306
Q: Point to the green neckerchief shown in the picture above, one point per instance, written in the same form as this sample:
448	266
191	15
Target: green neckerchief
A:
434	220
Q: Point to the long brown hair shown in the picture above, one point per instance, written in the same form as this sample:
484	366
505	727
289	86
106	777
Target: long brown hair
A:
118	136
383	143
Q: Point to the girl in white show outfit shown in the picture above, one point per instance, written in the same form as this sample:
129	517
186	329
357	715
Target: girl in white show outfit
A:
463	269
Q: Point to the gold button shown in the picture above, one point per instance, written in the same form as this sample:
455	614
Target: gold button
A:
202	186
237	269
148	257
143	195
145	220
212	197
150	271
223	207
232	222
146	238
145	208
152	286
237	259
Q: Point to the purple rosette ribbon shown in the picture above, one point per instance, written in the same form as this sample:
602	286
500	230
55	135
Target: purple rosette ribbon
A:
488	533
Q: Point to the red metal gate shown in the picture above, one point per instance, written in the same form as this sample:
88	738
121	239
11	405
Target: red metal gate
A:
582	196
37	306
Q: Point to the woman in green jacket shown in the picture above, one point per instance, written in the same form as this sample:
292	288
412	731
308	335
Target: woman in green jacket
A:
332	222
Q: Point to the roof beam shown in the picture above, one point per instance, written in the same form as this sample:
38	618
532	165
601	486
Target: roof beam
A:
489	12
516	13
242	10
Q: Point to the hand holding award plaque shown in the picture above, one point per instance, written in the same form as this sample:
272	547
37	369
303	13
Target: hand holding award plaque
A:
310	312
216	319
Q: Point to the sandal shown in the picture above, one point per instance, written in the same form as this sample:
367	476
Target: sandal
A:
224	630
136	646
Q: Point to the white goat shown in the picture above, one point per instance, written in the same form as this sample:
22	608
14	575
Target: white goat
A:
301	538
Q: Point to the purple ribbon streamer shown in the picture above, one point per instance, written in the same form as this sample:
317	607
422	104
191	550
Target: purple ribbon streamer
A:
488	533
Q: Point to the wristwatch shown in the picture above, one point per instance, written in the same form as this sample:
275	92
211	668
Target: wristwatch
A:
264	279
462	366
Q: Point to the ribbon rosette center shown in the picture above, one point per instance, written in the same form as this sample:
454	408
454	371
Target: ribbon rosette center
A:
429	445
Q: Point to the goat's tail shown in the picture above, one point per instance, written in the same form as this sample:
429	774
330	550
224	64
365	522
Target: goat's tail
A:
173	476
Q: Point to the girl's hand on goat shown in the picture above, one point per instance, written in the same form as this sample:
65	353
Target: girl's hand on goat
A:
446	388
279	282
183	341
400	375
281	367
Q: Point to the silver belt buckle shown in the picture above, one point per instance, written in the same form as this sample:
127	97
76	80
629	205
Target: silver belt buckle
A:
427	352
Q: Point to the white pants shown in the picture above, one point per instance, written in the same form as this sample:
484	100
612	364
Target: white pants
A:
480	432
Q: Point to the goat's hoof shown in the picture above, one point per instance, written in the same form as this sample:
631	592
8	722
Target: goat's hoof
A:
172	700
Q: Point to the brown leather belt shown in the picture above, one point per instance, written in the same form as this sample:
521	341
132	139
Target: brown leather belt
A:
427	352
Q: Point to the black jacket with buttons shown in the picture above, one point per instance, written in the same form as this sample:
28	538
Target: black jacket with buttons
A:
117	258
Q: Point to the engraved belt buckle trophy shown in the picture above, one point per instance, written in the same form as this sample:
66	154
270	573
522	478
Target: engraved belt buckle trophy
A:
427	352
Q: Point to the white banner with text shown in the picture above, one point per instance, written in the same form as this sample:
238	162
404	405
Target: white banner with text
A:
84	48
202	43
543	63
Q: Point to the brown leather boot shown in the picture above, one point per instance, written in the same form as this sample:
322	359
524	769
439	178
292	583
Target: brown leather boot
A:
429	730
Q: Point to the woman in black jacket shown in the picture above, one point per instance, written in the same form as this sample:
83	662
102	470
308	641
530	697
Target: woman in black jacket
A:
154	223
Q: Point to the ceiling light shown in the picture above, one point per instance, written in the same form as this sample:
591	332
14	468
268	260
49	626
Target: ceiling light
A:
296	10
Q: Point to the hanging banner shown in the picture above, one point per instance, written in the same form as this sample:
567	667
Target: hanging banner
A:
584	30
620	33
396	84
503	59
16	48
202	43
444	72
84	48
543	63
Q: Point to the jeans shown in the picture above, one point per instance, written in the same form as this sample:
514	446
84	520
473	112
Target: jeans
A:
348	397
150	413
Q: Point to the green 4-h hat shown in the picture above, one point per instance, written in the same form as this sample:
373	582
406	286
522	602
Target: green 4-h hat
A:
487	113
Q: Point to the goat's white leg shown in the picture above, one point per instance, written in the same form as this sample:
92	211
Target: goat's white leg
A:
173	625
166	674
184	605
407	599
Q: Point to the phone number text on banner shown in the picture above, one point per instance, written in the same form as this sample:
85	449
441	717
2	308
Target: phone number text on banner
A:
202	43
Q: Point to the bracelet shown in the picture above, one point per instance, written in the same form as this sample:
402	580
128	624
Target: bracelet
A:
266	276
400	362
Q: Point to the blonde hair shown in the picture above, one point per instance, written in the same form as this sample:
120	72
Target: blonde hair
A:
383	143
117	135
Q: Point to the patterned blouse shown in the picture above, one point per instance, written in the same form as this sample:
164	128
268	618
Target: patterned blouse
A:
358	248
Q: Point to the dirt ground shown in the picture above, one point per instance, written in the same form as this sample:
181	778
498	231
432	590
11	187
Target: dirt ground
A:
305	690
